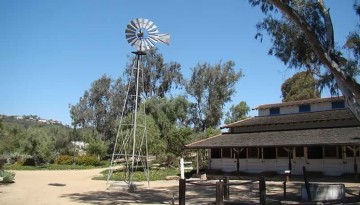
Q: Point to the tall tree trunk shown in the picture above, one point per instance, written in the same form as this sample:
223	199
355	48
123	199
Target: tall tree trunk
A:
349	88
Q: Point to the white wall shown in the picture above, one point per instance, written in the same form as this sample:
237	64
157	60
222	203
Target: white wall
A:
295	109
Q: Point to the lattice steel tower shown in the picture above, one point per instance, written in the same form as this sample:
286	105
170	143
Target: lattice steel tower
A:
130	146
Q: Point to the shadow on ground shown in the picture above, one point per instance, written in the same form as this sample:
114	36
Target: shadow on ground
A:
195	194
203	193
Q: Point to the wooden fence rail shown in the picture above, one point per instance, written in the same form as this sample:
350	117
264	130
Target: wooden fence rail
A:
222	189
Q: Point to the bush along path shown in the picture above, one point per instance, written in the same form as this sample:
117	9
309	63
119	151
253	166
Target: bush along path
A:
6	177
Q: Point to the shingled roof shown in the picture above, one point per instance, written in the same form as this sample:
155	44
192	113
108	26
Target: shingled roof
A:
321	119
310	137
332	127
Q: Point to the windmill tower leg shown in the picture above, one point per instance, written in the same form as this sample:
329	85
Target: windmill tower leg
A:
143	34
130	145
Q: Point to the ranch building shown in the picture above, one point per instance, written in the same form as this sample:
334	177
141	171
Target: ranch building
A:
321	134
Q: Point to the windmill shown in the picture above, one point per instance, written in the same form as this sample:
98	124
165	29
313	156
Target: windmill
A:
130	146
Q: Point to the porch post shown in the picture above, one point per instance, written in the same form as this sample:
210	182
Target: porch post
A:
290	151
355	150
237	160
197	161
237	151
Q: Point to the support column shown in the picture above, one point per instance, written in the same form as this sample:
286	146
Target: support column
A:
197	161
238	160
238	151
290	151
355	150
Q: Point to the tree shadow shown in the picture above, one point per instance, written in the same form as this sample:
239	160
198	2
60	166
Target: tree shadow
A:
199	193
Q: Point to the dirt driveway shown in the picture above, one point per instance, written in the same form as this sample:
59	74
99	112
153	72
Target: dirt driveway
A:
77	187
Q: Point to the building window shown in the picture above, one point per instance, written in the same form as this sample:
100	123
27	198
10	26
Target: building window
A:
315	152
269	153
226	153
275	111
215	153
304	108
332	152
337	105
299	151
253	152
282	153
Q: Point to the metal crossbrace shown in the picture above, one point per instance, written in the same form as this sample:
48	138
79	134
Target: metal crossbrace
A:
131	146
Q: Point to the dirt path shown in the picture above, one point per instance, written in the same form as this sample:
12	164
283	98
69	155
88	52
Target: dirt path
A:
49	187
77	187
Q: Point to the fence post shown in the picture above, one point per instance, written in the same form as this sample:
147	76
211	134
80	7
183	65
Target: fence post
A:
219	193
262	190
306	184
226	188
182	190
182	175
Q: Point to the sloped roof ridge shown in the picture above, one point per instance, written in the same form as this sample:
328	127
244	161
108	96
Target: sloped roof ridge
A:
330	115
300	102
233	123
199	141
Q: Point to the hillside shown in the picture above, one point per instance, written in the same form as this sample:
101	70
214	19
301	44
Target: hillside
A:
28	120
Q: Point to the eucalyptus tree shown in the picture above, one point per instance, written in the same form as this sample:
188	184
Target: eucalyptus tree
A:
211	86
303	37
100	106
103	103
237	112
301	86
159	77
36	142
171	116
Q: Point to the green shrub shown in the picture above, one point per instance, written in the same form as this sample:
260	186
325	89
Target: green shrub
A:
97	148
87	160
6	176
167	159
26	160
64	160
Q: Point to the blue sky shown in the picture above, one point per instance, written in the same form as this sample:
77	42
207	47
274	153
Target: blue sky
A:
51	51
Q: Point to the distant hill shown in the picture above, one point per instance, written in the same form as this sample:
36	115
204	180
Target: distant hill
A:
28	120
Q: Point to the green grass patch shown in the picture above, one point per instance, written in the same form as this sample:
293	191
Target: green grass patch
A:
155	175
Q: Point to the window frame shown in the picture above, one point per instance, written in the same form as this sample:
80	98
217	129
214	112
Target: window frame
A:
227	151
281	150
304	108
218	153
337	105
257	153
313	153
274	111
